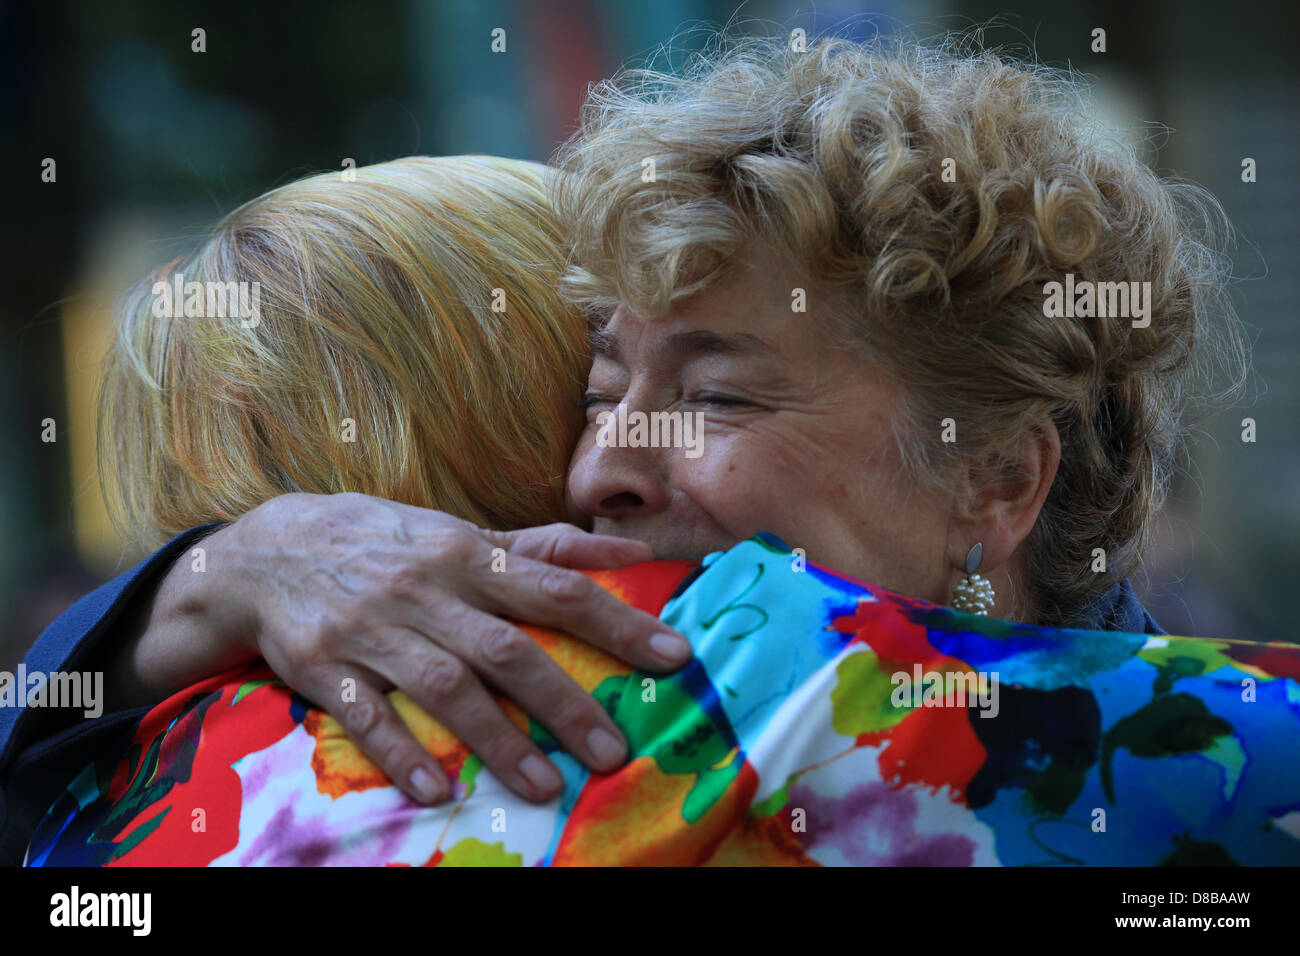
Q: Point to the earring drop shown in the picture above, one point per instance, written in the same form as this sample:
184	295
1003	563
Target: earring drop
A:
973	593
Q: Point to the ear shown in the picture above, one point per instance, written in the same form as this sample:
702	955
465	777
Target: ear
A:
1003	498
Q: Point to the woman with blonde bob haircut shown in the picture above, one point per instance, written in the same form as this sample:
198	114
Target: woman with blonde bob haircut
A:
410	344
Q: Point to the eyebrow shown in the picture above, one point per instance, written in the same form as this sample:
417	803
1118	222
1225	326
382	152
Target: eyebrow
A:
691	344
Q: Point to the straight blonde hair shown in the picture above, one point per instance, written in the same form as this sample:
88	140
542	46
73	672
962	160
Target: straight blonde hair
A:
409	344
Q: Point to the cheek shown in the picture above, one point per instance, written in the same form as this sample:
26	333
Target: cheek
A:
752	480
845	494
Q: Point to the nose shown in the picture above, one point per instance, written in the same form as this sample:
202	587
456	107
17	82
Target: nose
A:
617	482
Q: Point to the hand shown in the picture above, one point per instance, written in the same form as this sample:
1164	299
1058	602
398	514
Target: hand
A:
349	586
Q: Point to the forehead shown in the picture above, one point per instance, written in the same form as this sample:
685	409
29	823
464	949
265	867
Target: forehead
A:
682	343
757	310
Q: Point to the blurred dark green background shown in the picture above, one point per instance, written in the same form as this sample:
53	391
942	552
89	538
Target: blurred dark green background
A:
153	142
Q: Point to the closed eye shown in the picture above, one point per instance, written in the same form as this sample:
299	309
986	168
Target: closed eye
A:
718	401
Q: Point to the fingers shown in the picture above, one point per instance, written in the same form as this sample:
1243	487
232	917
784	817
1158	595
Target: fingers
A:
369	720
447	688
415	598
568	600
506	657
571	547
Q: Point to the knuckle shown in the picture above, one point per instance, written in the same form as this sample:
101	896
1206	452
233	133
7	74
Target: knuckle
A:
443	678
560	584
572	712
405	582
505	744
308	646
452	545
329	636
504	647
369	642
361	717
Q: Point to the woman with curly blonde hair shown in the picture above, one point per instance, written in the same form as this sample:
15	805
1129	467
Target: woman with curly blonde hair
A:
926	199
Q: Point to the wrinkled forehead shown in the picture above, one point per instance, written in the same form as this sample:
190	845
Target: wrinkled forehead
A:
609	342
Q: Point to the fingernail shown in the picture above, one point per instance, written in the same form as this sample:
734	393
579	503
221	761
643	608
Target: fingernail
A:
422	783
670	647
605	747
544	778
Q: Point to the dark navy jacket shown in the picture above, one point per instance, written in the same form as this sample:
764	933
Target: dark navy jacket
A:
36	765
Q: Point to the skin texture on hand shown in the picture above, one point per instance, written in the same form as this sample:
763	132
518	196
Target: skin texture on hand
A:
348	596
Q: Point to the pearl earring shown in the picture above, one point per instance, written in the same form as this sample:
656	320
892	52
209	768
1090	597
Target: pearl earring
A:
973	593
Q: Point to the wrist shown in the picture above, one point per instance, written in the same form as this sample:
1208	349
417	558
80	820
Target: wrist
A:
196	626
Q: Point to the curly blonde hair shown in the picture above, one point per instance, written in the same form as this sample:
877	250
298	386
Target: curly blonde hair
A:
837	155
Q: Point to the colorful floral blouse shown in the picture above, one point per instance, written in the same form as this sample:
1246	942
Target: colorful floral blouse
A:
823	721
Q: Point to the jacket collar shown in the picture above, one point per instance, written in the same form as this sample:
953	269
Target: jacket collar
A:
1117	609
